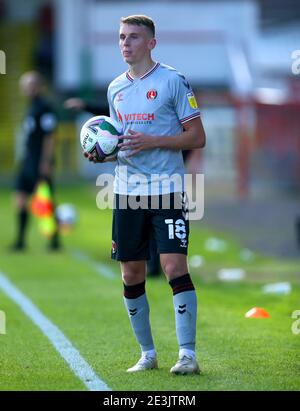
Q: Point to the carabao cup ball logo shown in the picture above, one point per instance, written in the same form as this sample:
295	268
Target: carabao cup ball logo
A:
99	136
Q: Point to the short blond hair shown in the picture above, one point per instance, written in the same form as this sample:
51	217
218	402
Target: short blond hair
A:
139	20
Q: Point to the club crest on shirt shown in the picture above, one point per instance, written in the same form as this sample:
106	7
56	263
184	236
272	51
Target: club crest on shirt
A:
192	100
152	94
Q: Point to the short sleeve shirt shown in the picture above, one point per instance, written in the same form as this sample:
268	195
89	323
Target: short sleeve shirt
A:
158	103
39	123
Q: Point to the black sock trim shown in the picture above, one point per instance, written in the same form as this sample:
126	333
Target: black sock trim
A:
182	284
134	291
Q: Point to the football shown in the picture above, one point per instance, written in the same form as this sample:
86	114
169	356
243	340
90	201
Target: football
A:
66	217
99	136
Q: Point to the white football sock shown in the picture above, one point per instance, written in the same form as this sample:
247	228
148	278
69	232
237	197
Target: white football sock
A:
185	351
149	353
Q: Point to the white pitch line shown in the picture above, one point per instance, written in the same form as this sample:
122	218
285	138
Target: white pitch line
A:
61	343
100	268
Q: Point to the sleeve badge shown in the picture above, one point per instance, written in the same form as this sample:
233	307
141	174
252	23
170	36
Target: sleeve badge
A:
192	100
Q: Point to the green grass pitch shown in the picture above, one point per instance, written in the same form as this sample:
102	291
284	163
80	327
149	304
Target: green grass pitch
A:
234	353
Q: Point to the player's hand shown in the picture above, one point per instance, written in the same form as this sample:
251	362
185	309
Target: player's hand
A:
136	142
45	170
91	158
74	103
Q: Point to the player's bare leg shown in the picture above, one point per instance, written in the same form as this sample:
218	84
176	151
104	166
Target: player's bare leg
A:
21	204
133	275
185	305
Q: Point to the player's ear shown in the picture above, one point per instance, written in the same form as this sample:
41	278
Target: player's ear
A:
152	43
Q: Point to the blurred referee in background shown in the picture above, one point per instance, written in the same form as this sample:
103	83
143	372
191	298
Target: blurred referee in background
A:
37	160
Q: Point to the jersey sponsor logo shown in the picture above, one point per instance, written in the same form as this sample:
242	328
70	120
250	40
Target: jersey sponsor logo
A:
152	94
192	100
120	116
139	117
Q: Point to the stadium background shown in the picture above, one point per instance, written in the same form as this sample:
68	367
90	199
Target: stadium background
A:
242	73
238	58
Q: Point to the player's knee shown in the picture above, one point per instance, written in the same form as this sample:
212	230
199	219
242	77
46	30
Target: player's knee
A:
129	277
133	273
171	268
133	278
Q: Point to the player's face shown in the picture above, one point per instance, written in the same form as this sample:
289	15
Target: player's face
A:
135	43
30	86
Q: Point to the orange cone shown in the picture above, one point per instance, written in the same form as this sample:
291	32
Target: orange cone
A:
257	312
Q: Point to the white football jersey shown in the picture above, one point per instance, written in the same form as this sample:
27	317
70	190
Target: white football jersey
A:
157	104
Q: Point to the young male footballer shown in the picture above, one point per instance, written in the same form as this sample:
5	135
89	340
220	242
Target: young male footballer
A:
160	119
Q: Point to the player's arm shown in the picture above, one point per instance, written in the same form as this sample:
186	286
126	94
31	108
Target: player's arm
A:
47	154
74	103
79	104
192	137
48	124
